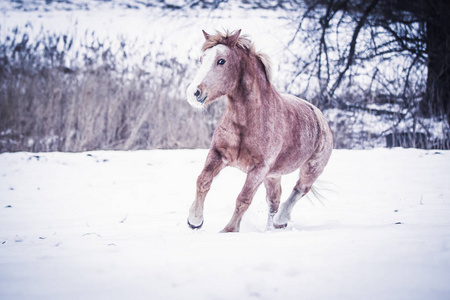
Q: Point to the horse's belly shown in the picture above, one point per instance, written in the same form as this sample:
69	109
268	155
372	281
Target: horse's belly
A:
282	166
291	159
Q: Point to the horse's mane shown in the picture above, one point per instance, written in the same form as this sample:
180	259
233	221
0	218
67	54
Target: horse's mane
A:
244	43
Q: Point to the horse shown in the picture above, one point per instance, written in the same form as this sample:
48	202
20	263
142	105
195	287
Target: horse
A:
264	133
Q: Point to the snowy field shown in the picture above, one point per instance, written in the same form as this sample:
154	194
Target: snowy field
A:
112	225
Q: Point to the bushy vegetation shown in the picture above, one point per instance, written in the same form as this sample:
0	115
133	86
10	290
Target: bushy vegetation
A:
57	96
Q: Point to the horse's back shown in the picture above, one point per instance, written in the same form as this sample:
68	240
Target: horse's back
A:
305	108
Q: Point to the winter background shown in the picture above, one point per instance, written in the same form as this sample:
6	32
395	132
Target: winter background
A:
77	222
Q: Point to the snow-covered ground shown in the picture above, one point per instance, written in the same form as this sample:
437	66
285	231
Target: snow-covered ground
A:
112	225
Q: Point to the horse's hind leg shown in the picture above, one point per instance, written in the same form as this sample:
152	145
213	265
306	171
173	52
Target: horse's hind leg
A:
308	175
284	215
273	189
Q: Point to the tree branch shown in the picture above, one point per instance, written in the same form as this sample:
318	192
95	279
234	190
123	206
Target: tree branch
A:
351	54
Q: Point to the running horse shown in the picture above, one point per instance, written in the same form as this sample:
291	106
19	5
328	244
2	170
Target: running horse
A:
262	132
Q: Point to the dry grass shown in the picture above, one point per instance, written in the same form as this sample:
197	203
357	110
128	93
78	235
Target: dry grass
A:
50	103
60	95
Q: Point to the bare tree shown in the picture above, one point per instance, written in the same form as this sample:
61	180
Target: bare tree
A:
397	48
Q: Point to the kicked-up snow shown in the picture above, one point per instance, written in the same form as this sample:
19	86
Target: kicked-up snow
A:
112	225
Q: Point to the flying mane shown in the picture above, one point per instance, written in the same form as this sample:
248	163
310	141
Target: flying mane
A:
244	43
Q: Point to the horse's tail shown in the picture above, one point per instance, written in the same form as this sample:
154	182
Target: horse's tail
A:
316	191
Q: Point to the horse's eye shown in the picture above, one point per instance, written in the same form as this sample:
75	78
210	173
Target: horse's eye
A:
221	61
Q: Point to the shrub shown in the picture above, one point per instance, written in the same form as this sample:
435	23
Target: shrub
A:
57	96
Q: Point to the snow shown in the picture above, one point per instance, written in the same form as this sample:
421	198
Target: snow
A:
112	225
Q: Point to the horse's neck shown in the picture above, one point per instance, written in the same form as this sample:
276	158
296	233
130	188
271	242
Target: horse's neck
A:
250	98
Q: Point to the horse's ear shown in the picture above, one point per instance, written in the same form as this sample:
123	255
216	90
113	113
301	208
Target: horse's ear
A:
234	38
206	35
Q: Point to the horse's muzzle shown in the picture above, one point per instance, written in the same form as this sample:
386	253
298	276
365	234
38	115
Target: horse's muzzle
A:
199	97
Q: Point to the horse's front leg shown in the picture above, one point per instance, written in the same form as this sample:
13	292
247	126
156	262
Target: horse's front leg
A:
254	179
213	166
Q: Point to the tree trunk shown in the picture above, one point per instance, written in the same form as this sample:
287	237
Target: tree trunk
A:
436	102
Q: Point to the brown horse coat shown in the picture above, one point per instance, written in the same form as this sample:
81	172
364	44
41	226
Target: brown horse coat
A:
263	133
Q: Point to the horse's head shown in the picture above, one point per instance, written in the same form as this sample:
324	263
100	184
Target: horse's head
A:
219	70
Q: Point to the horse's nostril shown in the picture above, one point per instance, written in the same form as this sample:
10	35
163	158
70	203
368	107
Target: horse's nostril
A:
197	93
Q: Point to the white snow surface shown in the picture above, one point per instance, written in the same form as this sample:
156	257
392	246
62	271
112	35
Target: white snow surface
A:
112	225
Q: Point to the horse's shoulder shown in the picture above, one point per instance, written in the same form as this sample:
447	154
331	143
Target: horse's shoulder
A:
226	134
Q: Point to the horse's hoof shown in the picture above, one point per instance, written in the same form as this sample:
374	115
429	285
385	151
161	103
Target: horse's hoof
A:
227	230
193	226
279	226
